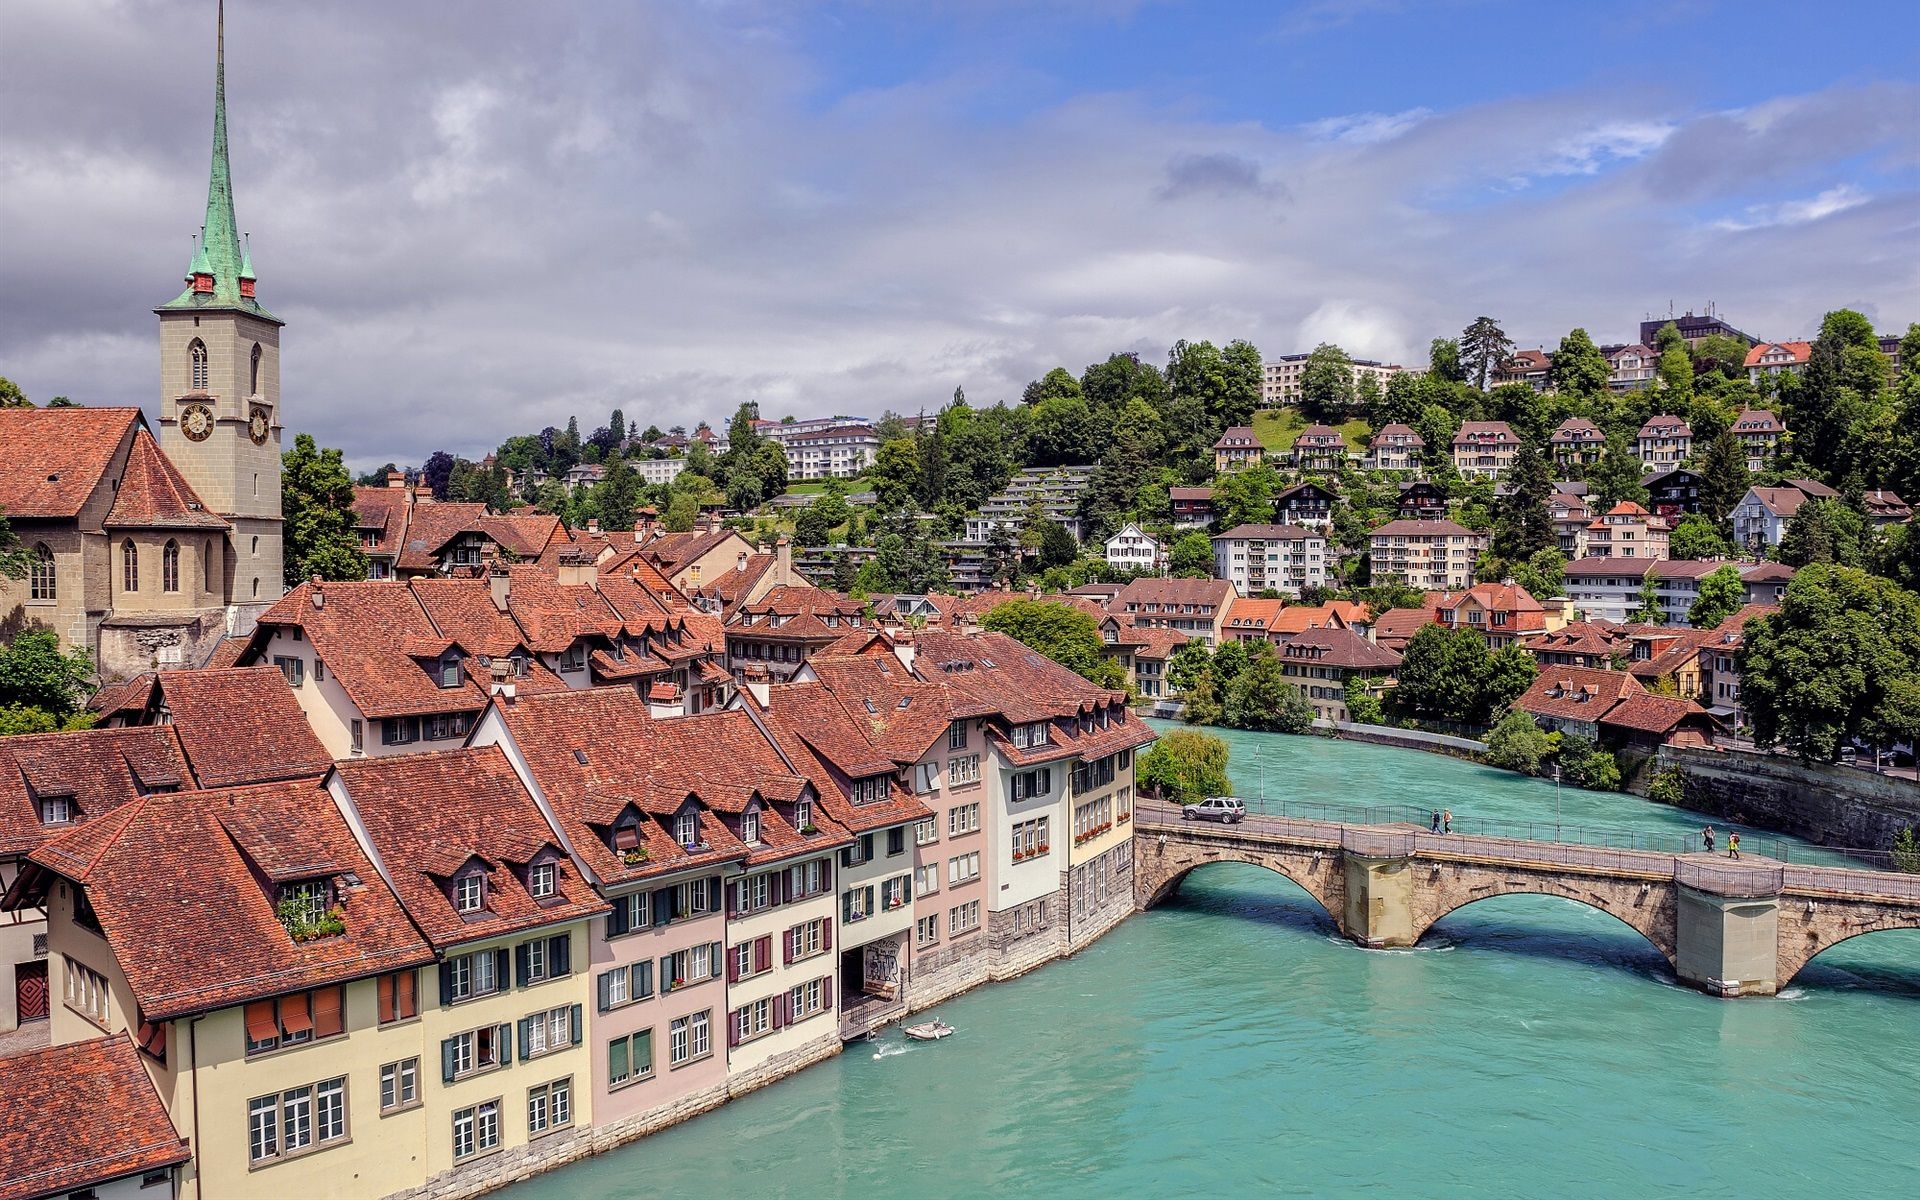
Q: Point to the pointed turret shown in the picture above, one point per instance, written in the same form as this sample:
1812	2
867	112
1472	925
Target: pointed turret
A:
222	272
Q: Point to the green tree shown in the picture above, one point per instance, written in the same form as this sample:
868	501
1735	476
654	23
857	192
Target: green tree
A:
1845	374
1062	632
1616	476
1057	384
1650	611
1185	665
810	528
1510	672
1839	658
1522	526
682	510
1191	556
1363	707
1063	431
1185	765
1698	537
1057	547
1262	699
1130	462
895	474
1721	595
1443	360
36	674
1543	574
1578	368
1826	531
1326	385
1442	675
1587	765
1246	497
1906	852
316	503
618	493
1669	787
1484	348
1517	744
11	396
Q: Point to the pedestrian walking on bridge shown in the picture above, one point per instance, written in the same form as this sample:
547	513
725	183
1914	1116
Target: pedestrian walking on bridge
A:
1733	845
1436	821
1706	838
1446	820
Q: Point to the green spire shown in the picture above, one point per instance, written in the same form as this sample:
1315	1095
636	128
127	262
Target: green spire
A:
221	253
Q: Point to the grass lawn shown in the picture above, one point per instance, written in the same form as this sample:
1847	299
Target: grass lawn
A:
813	487
1278	428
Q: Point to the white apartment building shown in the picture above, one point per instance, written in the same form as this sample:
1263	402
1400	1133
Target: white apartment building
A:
1280	377
840	452
659	470
1286	558
1433	555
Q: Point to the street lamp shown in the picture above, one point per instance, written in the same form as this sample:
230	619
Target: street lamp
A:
1556	802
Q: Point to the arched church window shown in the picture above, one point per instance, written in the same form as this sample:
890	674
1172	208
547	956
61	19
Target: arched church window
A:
43	579
129	566
197	353
206	567
253	376
170	566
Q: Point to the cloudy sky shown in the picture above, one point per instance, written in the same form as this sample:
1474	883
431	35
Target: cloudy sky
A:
479	217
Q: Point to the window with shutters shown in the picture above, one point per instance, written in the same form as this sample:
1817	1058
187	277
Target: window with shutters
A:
856	904
926	778
477	1050
696	964
399	998
286	1124
400	1085
963	868
808	999
550	1107
1028	784
806	940
630	1058
926	880
752	1020
549	1032
625	984
631	913
481	973
295	1019
543	958
808	879
756	892
894	893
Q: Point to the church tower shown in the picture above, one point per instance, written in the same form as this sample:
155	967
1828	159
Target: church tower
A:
220	384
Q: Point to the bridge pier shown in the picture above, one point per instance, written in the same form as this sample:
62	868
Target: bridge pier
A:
1379	910
1727	945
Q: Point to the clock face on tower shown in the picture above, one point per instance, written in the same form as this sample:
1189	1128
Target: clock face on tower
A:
257	425
196	421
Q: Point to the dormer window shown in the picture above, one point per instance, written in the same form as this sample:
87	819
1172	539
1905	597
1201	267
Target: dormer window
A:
542	880
750	827
470	893
305	908
803	816
450	670
870	791
686	828
56	810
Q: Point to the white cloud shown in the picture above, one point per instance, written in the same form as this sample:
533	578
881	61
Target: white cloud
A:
1836	199
1367	128
1362	329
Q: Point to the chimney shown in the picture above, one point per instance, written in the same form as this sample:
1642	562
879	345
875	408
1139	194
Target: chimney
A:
423	494
577	569
499	580
319	597
782	561
740	561
593	526
396	478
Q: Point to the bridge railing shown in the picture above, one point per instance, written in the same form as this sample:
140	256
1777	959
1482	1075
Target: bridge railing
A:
1729	878
1376	843
1839	879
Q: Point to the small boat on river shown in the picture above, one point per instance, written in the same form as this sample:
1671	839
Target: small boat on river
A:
929	1031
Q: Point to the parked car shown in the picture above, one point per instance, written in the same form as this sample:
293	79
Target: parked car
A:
1225	809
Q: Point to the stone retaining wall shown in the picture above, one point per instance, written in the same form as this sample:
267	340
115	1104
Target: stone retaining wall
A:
1831	805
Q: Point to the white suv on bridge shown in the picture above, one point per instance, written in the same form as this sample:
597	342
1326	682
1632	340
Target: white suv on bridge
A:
1224	809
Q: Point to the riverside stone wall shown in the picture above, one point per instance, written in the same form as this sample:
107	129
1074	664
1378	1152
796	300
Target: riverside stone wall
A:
1831	805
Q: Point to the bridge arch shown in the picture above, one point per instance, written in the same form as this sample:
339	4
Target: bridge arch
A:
1650	913
1160	869
1816	938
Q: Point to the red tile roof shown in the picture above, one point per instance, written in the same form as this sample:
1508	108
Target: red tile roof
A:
1757	420
1396	626
1411	528
1480	433
821	739
154	495
1578	429
97	770
428	815
81	1114
1215	592
1653	714
241	726
383	512
1799	352
432	525
1339	648
1577	693
177	882
1394	433
1660	426
68	452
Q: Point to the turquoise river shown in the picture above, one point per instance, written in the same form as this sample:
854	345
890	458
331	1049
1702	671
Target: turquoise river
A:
1229	1043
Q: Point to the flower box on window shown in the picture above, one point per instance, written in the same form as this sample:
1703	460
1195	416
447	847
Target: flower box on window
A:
634	858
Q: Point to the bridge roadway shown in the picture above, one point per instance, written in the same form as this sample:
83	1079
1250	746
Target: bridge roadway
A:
1730	928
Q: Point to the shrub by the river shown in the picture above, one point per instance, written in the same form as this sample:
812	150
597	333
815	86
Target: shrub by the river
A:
1185	765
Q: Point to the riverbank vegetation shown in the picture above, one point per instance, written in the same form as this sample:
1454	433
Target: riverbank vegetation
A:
1184	766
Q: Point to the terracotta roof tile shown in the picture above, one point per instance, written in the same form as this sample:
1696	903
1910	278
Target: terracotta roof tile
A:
382	511
80	1114
1339	648
176	882
154	495
1652	714
97	770
429	814
241	726
432	525
1577	693
70	450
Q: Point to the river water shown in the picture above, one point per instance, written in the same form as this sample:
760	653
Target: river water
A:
1230	1043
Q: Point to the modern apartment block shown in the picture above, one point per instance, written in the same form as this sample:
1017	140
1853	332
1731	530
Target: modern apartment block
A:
1280	377
1433	555
1286	558
1056	490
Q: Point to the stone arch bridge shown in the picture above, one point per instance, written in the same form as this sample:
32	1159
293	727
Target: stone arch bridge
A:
1728	928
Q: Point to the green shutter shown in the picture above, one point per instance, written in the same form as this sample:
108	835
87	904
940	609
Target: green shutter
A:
526	1036
446	1061
643	1052
606	990
617	1060
578	1023
642	978
503	1038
